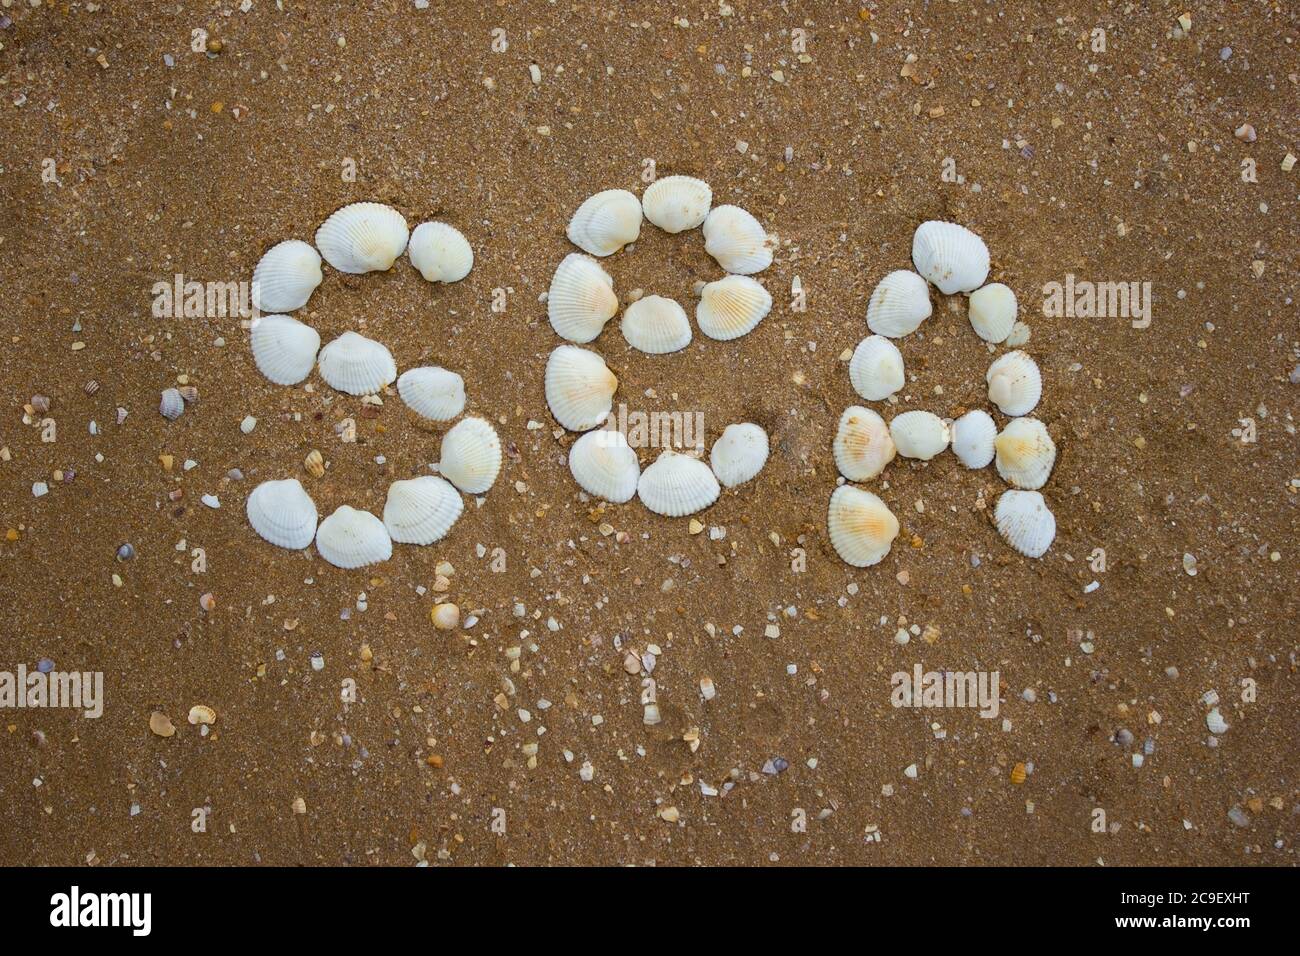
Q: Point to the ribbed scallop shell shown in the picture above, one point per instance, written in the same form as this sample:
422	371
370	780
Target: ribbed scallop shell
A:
656	325
434	393
1015	384
357	365
471	455
606	222
286	276
920	435
992	312
739	454
862	529
731	307
604	465
737	240
440	252
171	405
284	349
1025	453
282	513
675	485
362	237
353	539
581	298
579	387
876	369
421	510
950	256
1025	522
863	445
677	203
972	438
898	304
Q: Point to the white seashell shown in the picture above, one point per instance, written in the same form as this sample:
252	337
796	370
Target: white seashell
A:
356	365
950	256
1025	453
471	455
898	304
432	392
286	276
421	510
862	529
606	222
674	485
739	454
284	349
352	539
737	241
863	445
876	369
579	388
282	513
677	203
171	405
992	312
440	252
1018	337
731	307
919	435
604	465
656	325
1015	384
581	298
972	438
362	237
1215	722
1025	522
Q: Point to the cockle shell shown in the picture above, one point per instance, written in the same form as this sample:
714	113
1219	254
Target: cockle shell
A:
739	454
353	539
677	203
899	304
731	307
440	252
471	455
674	485
606	222
581	298
1025	453
1025	523
284	349
604	465
286	276
737	240
282	513
876	369
356	365
920	435
863	445
972	438
171	405
1015	384
950	256
992	312
363	237
862	529
432	392
579	388
656	325
421	510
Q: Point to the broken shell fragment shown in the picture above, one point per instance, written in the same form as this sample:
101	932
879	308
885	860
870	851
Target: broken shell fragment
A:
972	438
606	222
421	510
898	305
362	237
286	276
677	203
356	365
950	256
992	312
282	513
284	349
349	538
440	252
1025	522
433	393
731	307
862	529
1015	384
739	454
675	485
581	298
579	387
920	435
603	465
471	455
171	405
863	445
1025	453
202	714
876	369
656	325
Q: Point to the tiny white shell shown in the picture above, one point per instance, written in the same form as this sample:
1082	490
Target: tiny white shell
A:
739	454
604	465
674	485
950	256
1025	523
606	222
286	276
656	325
421	510
363	237
284	349
1025	453
434	393
737	240
1215	722
677	203
1018	337
471	455
863	444
876	369
920	435
579	388
862	528
440	252
171	405
1015	384
581	298
992	312
972	438
282	513
731	307
350	538
899	303
356	365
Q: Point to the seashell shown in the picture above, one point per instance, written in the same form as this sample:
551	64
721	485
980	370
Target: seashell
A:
581	298
677	203
992	312
1018	337
432	392
171	405
440	252
731	307
284	349
606	222
1215	722
972	438
950	256
604	465
862	529
362	237
899	303
656	325
421	510
286	276
1025	453
737	241
282	513
357	365
1015	384
1025	523
675	485
353	539
471	455
863	445
739	454
876	369
579	388
920	435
